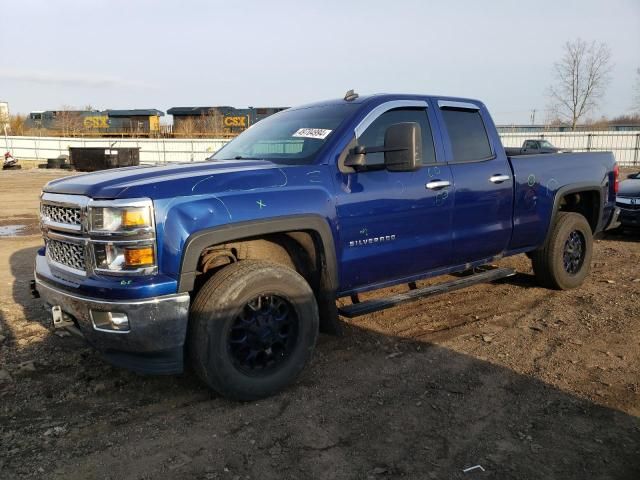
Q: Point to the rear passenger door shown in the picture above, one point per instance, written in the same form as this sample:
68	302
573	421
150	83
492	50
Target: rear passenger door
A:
483	204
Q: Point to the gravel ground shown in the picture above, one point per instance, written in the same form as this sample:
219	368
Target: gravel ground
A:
526	382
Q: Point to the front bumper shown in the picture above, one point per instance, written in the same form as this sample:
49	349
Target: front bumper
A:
158	327
629	217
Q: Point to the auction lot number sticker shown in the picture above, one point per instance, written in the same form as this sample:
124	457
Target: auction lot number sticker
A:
319	133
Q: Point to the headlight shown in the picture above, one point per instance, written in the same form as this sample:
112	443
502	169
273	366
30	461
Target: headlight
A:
117	257
120	219
123	236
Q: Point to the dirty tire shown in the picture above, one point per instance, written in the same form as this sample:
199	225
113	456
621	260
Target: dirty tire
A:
550	262
215	316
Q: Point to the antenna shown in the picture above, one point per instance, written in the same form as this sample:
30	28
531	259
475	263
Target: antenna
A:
350	95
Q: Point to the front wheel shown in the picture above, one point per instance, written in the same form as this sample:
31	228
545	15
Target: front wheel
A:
253	328
565	260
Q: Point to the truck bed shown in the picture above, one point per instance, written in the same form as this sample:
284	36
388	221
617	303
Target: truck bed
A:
538	180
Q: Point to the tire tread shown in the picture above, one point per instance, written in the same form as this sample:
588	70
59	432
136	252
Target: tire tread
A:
201	326
543	259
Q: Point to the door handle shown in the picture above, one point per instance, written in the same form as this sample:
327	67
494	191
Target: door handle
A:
499	178
438	184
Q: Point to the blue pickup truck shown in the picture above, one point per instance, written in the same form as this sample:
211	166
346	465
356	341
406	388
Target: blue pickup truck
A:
236	263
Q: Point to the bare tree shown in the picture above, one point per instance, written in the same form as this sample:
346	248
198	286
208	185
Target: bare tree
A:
208	124
185	127
68	122
17	124
211	123
582	76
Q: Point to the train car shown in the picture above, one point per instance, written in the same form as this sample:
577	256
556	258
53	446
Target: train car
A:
144	120
106	123
217	119
223	121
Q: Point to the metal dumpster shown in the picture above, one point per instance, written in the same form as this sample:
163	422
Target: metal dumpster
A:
91	159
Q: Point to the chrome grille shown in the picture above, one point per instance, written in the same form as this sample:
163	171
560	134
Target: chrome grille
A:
60	214
68	254
628	203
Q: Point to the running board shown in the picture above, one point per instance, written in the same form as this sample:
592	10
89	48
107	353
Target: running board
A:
375	305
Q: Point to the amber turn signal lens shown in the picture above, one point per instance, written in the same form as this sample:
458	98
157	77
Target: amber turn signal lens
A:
138	257
135	218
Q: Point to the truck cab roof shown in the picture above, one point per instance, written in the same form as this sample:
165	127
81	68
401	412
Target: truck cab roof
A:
385	97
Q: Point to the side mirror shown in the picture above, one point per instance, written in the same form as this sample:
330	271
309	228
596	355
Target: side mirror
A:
403	147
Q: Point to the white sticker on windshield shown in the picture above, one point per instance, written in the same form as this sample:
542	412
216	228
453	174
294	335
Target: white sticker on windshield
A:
319	133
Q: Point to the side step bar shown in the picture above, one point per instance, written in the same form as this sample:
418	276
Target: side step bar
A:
375	305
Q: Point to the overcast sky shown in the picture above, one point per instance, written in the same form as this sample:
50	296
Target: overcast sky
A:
159	54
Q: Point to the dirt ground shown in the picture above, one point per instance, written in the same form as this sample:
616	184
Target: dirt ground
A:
526	382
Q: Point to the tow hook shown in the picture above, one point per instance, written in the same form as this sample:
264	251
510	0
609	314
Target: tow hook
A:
34	289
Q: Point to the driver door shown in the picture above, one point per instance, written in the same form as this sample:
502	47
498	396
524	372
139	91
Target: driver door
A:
394	225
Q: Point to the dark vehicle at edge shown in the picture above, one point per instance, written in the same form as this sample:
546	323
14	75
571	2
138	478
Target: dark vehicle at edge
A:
628	200
534	147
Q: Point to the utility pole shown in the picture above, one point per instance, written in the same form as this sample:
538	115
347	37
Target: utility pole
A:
533	116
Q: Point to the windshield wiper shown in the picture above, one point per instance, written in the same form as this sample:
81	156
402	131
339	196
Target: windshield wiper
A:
237	157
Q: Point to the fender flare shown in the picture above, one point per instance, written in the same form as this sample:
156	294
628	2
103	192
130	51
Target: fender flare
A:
575	188
198	241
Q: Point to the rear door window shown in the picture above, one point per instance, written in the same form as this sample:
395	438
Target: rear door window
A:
468	135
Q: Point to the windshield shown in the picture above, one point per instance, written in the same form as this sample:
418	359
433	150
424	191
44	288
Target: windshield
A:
545	144
291	136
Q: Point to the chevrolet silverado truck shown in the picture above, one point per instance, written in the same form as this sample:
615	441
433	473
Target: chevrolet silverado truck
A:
236	263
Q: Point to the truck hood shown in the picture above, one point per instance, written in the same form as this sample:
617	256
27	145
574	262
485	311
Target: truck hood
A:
172	180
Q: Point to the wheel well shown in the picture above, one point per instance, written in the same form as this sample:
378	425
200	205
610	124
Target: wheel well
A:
301	251
586	203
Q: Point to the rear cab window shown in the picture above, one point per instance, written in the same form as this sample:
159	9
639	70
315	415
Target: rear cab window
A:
467	134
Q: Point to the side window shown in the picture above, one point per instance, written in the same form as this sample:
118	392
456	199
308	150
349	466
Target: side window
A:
528	144
373	136
468	136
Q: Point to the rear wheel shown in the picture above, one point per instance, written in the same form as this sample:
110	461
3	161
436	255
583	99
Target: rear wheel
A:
253	328
565	260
